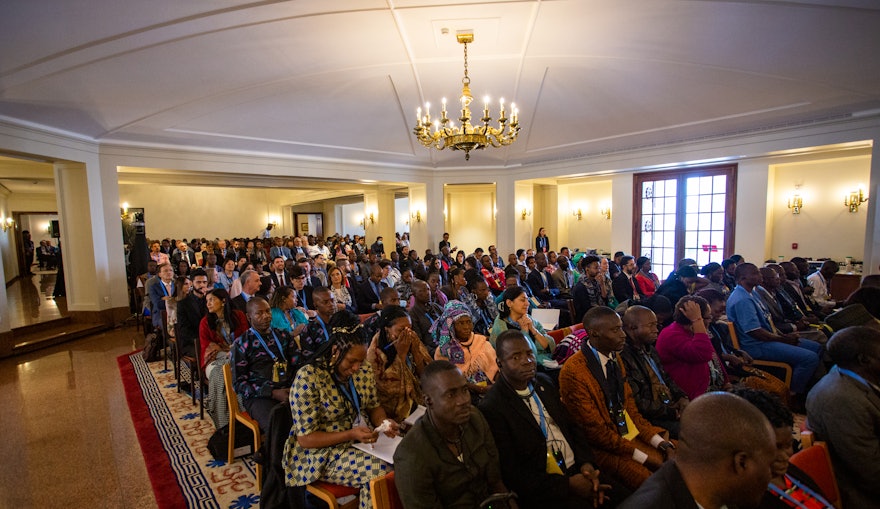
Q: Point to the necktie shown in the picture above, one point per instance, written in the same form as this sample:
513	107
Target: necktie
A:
612	375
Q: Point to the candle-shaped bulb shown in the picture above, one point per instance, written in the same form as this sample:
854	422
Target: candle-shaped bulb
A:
419	115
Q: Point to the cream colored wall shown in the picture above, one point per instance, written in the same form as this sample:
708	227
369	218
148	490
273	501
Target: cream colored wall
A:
9	264
824	228
592	231
208	212
471	216
524	227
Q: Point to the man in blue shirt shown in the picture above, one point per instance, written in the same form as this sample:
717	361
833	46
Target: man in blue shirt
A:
760	339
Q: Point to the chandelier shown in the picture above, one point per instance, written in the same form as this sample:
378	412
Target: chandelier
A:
466	137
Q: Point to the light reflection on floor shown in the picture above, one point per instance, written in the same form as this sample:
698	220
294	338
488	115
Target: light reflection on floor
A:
30	300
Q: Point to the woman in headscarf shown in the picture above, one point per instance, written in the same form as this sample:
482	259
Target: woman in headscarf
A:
472	353
334	404
398	357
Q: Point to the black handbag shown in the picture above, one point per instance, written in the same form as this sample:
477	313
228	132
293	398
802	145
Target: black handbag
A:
218	444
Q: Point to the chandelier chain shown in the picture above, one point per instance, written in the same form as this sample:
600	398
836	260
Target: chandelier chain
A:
466	80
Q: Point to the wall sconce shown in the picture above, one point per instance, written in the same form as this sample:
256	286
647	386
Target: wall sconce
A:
417	216
7	223
372	218
526	212
123	211
578	213
854	199
605	212
273	221
795	203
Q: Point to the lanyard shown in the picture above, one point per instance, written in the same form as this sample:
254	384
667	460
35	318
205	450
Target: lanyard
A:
302	299
164	289
274	358
351	396
786	496
323	326
857	377
540	411
654	367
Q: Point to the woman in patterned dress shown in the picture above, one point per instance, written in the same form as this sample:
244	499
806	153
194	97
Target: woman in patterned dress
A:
333	402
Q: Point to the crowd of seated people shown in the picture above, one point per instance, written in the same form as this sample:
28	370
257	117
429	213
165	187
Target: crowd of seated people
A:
585	420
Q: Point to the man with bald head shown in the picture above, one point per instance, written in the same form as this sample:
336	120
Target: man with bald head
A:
844	410
715	466
658	397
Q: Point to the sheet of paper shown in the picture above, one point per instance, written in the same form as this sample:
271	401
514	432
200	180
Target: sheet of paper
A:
414	416
548	318
383	448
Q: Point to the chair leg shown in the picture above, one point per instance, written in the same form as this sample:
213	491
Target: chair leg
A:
231	451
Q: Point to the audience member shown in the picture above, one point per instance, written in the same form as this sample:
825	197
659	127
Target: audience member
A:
263	361
714	273
543	455
594	390
160	291
334	404
659	399
457	343
716	466
424	313
789	486
757	336
190	312
448	458
513	314
687	352
624	285
250	287
563	279
647	281
844	410
342	294
397	357
369	299
820	281
285	315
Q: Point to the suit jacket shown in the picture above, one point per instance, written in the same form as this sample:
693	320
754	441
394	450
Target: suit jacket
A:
846	414
664	490
638	374
190	312
189	257
536	284
275	252
304	298
622	288
564	281
522	447
421	323
157	303
542	244
583	396
366	296
276	283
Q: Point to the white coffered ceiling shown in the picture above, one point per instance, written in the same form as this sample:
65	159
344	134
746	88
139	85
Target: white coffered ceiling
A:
341	80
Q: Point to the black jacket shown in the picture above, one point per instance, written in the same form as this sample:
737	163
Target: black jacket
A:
663	490
522	447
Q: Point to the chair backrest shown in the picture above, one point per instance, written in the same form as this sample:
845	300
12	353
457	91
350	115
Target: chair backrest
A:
384	493
733	338
231	400
816	462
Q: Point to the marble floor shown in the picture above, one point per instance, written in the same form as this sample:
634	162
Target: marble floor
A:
68	440
29	300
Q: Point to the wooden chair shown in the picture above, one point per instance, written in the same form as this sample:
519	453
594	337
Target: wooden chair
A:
384	493
235	414
774	366
816	462
331	493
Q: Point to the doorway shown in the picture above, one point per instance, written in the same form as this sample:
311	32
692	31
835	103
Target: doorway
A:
308	223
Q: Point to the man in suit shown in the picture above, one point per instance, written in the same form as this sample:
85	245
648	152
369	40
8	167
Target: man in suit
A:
530	426
563	278
424	313
844	410
716	466
303	292
378	248
183	254
190	312
593	387
659	398
369	299
279	249
160	289
279	276
539	280
250	287
624	285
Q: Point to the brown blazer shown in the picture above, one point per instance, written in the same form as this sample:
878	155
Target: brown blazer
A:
584	399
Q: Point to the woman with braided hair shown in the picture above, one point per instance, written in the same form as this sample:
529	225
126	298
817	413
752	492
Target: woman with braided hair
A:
398	357
333	402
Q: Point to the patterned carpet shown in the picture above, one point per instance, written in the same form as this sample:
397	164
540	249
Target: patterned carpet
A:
174	441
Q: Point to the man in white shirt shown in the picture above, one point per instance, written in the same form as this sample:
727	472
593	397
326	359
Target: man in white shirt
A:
820	281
